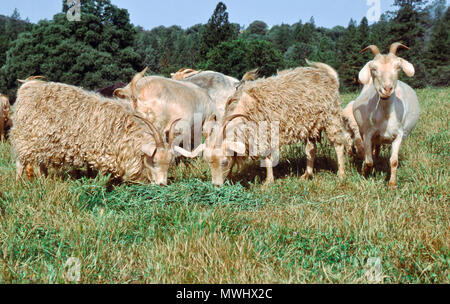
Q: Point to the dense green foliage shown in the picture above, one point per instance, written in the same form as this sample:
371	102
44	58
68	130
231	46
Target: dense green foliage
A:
105	47
91	53
236	56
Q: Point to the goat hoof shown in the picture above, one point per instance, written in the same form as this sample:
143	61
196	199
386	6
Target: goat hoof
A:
267	184
393	185
306	177
367	169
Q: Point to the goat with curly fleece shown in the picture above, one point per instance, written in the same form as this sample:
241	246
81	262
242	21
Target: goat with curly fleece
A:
58	125
303	101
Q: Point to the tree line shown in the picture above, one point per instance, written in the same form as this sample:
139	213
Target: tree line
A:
104	47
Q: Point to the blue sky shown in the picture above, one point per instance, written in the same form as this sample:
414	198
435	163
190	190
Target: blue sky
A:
152	13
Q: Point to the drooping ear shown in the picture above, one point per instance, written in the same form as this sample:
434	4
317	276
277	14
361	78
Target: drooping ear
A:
364	74
407	67
237	147
149	149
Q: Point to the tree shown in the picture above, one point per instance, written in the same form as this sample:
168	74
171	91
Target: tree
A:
325	52
256	30
350	57
409	26
437	58
10	28
217	30
297	53
91	53
281	37
236	57
378	32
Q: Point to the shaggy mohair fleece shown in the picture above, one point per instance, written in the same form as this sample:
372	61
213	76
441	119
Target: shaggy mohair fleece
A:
305	101
57	125
5	120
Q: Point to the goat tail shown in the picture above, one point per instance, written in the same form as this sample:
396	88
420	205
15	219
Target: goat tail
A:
325	67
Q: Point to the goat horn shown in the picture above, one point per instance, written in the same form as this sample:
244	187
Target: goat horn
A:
394	47
250	75
156	135
213	117
373	48
31	78
229	119
135	79
172	131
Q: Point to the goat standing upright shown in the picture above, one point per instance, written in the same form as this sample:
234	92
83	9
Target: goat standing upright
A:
387	109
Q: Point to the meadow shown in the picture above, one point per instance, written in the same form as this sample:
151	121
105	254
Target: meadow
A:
321	231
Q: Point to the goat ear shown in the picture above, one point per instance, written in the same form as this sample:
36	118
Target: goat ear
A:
118	93
149	149
237	147
407	67
364	74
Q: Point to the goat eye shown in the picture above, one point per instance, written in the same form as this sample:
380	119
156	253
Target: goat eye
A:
224	162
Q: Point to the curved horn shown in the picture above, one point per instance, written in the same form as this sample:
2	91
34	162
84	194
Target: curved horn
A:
158	138
228	120
230	101
250	75
373	48
172	132
394	47
212	118
135	79
32	78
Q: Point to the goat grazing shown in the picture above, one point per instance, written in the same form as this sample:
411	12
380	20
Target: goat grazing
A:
302	102
58	125
164	100
220	87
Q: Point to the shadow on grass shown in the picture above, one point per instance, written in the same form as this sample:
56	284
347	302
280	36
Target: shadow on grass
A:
87	173
381	163
287	167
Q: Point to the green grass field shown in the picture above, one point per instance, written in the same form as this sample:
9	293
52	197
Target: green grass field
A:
319	231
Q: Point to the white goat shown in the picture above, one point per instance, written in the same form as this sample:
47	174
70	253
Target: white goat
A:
387	109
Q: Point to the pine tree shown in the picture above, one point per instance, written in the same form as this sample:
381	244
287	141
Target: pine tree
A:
281	37
236	57
256	30
217	30
409	27
438	54
350	57
379	33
